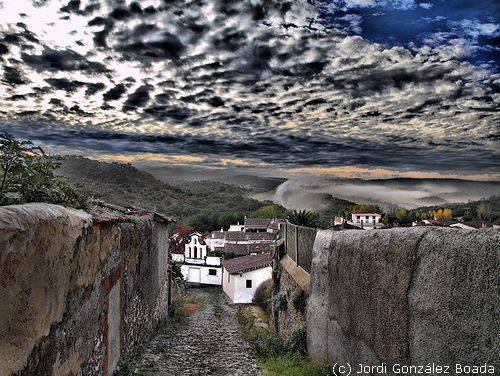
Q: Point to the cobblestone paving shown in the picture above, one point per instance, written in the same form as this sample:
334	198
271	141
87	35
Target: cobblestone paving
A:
211	344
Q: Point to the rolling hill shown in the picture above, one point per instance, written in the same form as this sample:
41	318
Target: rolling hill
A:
123	184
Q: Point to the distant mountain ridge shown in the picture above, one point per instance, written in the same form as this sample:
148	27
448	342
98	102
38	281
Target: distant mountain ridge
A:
121	184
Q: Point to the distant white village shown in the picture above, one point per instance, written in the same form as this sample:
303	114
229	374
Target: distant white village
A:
247	249
239	259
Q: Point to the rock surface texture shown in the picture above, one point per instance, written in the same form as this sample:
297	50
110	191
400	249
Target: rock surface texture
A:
210	344
407	296
77	292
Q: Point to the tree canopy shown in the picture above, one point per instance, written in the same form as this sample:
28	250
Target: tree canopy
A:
304	218
27	175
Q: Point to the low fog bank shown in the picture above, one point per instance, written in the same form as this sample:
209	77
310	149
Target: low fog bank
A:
315	193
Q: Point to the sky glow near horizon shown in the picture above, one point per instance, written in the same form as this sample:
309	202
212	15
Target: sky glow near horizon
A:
370	86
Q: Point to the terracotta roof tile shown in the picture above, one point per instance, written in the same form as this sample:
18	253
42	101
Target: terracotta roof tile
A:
247	263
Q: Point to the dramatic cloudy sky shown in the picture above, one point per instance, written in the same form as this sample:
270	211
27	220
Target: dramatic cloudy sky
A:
353	86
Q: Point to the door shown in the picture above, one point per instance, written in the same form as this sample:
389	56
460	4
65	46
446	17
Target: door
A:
194	275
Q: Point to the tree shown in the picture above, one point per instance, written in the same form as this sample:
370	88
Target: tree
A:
27	175
268	211
483	210
443	214
364	208
304	218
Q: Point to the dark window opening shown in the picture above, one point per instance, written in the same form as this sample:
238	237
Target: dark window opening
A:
249	284
212	271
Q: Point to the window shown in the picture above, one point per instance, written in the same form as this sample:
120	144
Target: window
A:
358	217
367	217
249	283
212	271
228	277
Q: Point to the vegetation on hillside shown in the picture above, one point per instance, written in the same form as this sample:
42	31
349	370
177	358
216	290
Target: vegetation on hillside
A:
205	206
486	209
211	220
269	211
27	175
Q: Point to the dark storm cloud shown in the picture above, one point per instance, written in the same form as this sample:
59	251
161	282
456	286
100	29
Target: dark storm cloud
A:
62	60
71	6
167	46
381	79
64	84
114	93
13	76
265	79
3	49
137	99
280	151
94	87
160	112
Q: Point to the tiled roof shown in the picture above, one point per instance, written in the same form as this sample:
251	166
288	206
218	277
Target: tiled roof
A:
247	263
217	235
257	223
242	236
243	249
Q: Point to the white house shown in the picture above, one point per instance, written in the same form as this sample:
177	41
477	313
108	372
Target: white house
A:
365	220
263	225
237	227
197	267
241	276
219	239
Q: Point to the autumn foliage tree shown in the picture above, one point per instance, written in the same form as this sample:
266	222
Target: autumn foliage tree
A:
443	214
180	238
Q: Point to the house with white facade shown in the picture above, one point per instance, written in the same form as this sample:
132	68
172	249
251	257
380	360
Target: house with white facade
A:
196	266
242	276
217	240
263	225
236	227
366	220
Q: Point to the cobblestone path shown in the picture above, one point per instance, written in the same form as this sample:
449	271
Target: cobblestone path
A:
211	344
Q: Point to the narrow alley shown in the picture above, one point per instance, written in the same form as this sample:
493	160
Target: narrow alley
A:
210	344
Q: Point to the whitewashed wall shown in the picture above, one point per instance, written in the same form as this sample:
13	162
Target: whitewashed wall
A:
236	289
199	274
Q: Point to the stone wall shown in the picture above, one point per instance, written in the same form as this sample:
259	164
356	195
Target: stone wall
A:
408	296
291	284
77	292
299	243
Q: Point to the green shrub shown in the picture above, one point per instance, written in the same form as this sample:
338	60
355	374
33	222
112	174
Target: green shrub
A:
297	342
27	175
293	365
176	270
262	296
299	301
281	301
278	356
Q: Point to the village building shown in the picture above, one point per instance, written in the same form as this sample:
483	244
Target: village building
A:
217	240
366	220
245	249
196	266
272	226
236	227
242	276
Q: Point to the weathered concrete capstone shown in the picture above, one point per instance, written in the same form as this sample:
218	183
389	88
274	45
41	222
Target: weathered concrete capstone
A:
408	296
77	293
